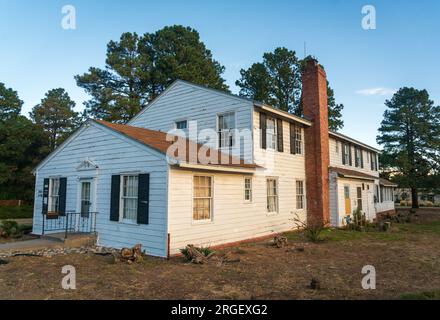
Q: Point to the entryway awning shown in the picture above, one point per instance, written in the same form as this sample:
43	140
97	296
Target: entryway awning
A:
386	183
352	174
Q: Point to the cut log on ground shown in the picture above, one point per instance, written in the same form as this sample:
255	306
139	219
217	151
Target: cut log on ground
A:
196	256
132	255
280	241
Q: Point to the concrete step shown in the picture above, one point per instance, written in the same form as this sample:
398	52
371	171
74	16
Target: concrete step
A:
73	240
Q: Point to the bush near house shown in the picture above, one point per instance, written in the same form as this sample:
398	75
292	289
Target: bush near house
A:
22	212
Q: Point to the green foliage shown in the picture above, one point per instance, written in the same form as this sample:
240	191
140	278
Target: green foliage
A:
9	229
139	68
206	251
22	146
277	82
10	103
410	136
56	116
311	229
22	212
430	295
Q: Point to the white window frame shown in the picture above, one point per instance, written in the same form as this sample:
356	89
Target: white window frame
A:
228	133
358	160
272	138
275	196
245	188
211	198
52	197
346	147
302	195
122	199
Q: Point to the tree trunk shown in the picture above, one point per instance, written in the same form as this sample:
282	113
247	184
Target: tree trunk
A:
414	198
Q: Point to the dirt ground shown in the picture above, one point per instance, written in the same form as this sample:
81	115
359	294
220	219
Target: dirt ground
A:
406	259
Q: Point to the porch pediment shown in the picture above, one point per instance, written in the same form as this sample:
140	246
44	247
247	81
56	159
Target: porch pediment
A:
86	165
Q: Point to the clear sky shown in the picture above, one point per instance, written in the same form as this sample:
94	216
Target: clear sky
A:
364	67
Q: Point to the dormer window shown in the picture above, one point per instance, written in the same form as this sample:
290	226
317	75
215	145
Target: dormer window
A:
226	130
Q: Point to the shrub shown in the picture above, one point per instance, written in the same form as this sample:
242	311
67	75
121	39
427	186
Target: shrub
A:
311	228
10	229
206	251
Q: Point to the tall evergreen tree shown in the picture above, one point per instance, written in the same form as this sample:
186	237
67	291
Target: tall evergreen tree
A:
277	82
22	146
10	103
410	136
56	116
139	68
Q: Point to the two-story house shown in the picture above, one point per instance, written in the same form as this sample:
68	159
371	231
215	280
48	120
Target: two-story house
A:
204	167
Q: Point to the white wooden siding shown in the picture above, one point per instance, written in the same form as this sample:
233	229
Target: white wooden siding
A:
336	159
337	198
185	101
114	154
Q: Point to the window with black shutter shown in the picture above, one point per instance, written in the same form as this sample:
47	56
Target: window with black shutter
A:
143	199
263	129
292	138
280	135
114	197
45	203
62	197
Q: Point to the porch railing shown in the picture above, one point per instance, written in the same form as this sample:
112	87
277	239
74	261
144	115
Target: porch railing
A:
71	222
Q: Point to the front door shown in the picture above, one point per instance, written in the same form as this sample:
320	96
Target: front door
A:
347	200
359	198
86	201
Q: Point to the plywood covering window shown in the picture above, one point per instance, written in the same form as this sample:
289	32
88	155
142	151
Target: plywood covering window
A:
226	129
272	195
271	134
298	140
129	197
247	189
54	195
202	199
300	194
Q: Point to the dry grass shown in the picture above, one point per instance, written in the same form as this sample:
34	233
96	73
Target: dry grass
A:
407	262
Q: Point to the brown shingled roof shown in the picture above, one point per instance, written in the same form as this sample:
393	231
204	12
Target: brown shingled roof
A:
387	183
157	140
347	173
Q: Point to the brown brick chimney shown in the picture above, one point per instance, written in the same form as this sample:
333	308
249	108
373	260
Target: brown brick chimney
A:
314	101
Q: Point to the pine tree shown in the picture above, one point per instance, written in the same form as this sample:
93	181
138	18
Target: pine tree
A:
410	136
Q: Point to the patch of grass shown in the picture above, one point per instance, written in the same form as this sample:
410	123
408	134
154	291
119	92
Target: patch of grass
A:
349	235
431	227
430	295
23	212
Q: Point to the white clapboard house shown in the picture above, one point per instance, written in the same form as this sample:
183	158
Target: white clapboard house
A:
261	168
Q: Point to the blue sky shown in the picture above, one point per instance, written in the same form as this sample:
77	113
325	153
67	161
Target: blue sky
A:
363	66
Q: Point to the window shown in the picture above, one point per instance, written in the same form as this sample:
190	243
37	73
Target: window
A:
129	198
272	195
346	154
300	194
271	134
54	195
182	125
202	199
373	161
248	189
298	140
226	128
358	157
337	147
